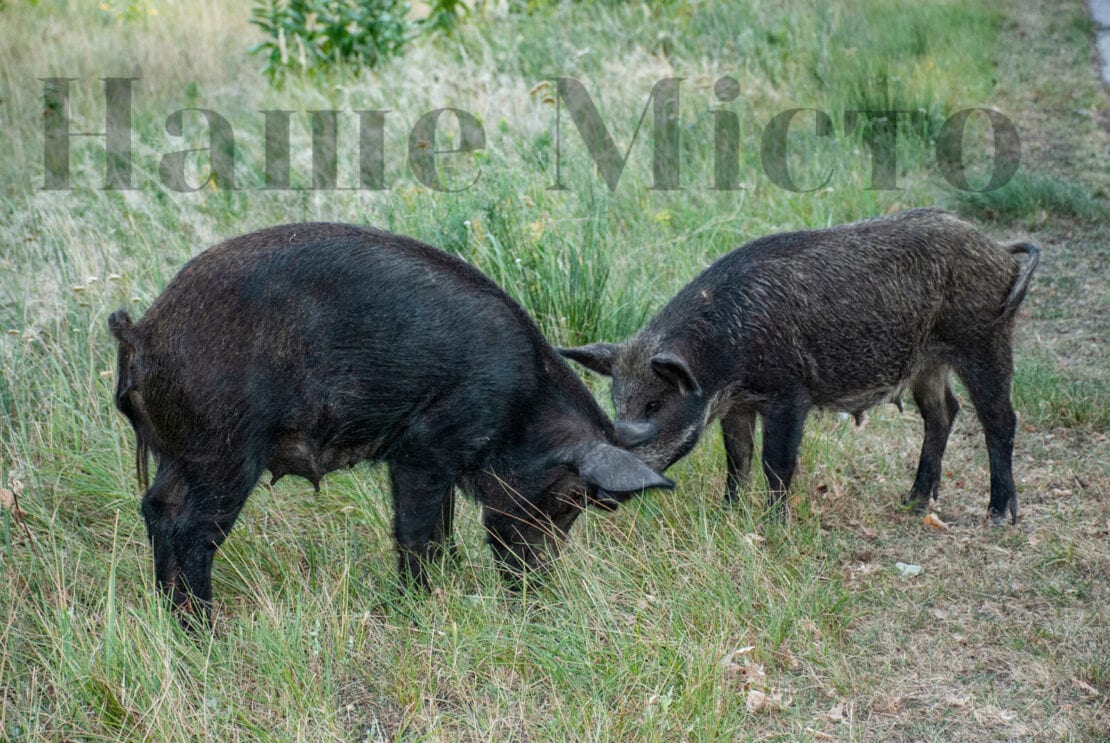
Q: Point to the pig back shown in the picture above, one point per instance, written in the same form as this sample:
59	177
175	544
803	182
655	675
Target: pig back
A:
844	310
332	334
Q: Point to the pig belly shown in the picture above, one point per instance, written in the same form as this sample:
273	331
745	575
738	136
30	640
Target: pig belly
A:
303	456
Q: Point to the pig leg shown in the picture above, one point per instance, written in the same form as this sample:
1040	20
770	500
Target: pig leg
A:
442	534
783	422
987	378
938	407
738	429
187	518
213	505
162	504
419	515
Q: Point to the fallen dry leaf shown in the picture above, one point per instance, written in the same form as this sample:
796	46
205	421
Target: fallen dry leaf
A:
758	701
933	522
956	701
830	488
787	658
818	735
748	673
731	657
834	713
861	569
810	627
9	498
1086	688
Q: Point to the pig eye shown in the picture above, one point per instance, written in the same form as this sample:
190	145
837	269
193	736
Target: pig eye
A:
653	407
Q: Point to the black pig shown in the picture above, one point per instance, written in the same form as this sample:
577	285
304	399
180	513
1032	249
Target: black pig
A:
309	347
843	318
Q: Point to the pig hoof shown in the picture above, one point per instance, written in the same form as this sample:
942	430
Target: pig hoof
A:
196	624
998	515
779	512
916	503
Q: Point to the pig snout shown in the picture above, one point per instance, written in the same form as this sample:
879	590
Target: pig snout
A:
635	433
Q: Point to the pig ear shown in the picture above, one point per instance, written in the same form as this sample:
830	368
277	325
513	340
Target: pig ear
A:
598	357
617	473
674	370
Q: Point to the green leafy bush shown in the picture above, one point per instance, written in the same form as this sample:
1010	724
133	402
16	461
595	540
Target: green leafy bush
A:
312	35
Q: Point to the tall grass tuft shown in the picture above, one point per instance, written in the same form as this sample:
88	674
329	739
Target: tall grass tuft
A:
1029	198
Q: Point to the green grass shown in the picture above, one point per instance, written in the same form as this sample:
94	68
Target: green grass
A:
1028	199
627	639
1048	395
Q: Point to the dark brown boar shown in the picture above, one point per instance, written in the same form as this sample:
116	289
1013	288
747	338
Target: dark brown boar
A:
843	318
309	347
